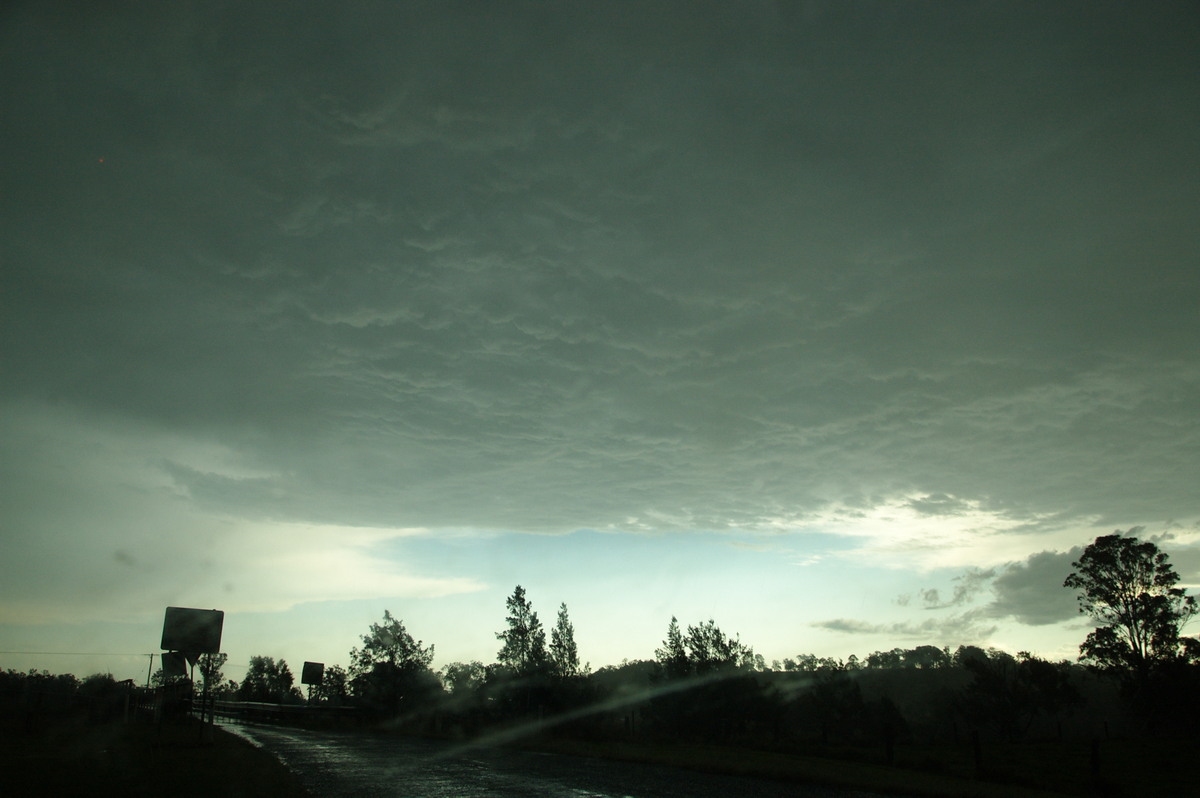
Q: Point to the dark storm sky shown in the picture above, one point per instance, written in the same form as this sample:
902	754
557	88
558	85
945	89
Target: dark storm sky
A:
896	286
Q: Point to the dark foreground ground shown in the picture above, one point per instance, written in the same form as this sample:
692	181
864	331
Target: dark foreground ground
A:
74	757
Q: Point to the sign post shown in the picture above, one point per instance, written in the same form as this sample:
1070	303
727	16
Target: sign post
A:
312	675
188	633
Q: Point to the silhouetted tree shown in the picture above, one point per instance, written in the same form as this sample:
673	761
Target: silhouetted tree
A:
672	657
39	691
564	655
703	650
886	659
390	672
160	679
268	680
103	696
1008	694
1128	586
965	654
811	663
837	704
335	685
1045	687
722	698
524	649
463	677
709	649
210	666
926	657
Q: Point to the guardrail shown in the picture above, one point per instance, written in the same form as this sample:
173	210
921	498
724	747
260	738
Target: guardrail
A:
285	714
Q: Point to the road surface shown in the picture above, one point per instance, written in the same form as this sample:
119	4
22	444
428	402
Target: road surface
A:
335	764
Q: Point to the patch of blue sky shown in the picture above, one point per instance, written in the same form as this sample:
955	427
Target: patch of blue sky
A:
622	590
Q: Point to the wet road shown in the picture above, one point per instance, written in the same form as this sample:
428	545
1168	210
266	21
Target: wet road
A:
362	765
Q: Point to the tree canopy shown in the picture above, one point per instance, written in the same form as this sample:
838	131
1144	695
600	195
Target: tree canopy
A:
210	666
389	643
564	654
391	668
704	649
673	657
334	687
268	680
463	677
524	649
1129	587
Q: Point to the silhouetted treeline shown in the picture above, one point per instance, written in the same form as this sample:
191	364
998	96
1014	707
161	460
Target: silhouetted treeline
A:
708	686
1137	675
38	695
705	685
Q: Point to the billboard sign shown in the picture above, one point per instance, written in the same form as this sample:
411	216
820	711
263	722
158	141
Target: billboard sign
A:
193	631
173	665
313	673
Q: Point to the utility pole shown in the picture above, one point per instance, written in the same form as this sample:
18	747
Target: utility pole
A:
149	668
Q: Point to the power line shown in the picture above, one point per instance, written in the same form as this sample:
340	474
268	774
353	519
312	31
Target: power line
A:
76	653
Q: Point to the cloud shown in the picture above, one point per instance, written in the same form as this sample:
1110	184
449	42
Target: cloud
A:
545	271
129	541
931	598
940	504
970	584
489	273
890	531
952	630
851	626
1028	591
1032	591
1187	563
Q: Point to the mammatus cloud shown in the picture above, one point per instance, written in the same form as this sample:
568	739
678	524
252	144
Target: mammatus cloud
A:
479	301
295	287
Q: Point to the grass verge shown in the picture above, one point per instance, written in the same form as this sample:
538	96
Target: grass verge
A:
1125	768
799	768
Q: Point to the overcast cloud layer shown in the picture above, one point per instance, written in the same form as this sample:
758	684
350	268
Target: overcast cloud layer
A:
920	277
